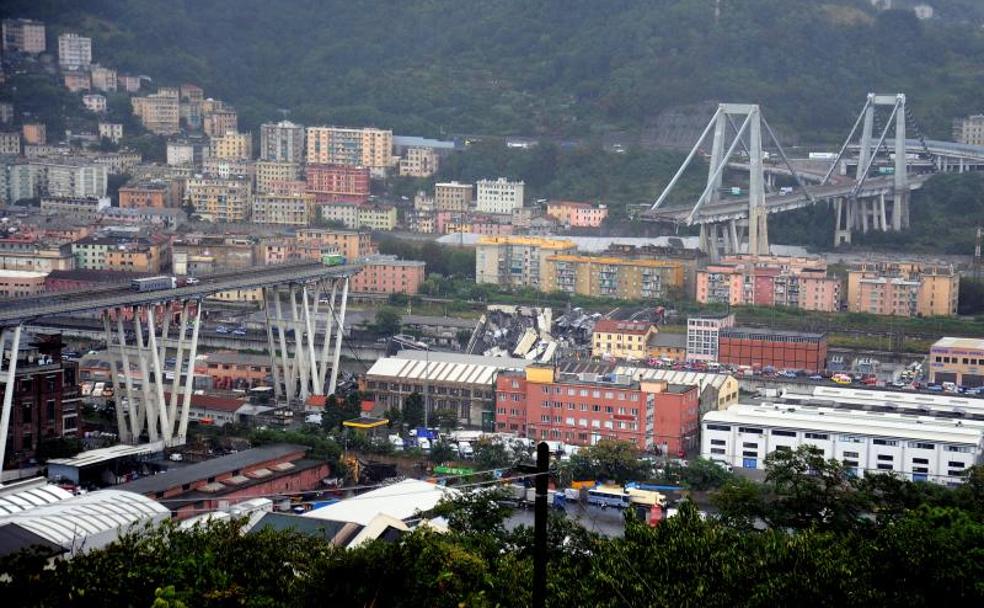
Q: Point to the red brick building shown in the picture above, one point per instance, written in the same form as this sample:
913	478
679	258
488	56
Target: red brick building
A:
338	183
772	348
580	409
264	471
45	400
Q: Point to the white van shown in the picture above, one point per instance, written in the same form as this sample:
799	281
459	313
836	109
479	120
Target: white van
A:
465	450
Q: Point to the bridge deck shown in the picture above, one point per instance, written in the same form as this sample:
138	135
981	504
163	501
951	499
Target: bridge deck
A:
65	303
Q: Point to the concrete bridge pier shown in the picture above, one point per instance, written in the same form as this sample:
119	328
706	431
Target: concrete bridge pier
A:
842	222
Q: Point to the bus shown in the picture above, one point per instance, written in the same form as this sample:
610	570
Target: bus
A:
609	497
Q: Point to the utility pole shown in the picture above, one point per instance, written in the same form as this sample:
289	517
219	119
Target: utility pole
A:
540	527
977	254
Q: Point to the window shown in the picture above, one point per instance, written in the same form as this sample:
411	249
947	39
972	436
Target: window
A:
784	433
747	444
920	461
925	446
887	457
885	467
850	454
783	448
750	454
959	448
718	442
822	436
717	450
749	429
885	442
851	463
956	465
718	427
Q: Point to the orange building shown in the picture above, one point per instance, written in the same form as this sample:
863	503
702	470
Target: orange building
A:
136	257
577	215
235	370
350	243
747	280
904	289
157	194
387	274
35	133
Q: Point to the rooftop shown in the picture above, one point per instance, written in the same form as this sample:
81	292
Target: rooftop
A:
402	501
769	332
211	468
848	422
443	367
967	343
101	455
613	326
700	379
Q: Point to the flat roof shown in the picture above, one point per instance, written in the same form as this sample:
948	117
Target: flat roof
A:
401	500
210	468
767	331
847	422
444	367
968	343
101	455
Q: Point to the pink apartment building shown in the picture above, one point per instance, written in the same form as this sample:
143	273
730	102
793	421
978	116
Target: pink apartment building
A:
577	215
387	274
796	282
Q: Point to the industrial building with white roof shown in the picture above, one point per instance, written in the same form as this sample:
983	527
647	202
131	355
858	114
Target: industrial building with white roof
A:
920	448
463	383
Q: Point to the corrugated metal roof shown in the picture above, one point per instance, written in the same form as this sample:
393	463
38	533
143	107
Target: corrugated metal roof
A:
30	494
91	457
701	379
446	367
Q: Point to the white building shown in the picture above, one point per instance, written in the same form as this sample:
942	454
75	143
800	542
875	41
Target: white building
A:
703	334
94	102
499	196
282	141
74	51
113	131
920	448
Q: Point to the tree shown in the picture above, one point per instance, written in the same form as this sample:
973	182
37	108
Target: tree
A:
446	418
609	459
442	452
387	322
703	474
490	455
394	415
808	490
413	410
478	512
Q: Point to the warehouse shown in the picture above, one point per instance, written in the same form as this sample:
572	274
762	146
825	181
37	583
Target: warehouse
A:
760	348
920	448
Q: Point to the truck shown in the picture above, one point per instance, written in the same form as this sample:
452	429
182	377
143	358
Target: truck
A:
153	283
333	259
823	155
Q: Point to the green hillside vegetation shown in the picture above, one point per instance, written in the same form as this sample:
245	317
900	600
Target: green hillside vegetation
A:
553	67
832	540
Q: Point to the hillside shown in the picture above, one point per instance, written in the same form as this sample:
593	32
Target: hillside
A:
553	67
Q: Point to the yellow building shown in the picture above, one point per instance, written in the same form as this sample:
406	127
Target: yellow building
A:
419	162
159	112
220	200
254	294
957	360
284	209
232	146
517	261
367	147
903	289
613	277
452	196
377	217
271	173
621	339
347	214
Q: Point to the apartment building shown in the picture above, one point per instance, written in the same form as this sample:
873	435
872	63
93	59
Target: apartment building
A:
187	152
94	102
74	51
231	145
113	131
516	261
614	277
121	253
389	274
77	81
24	35
220	200
957	360
346	214
581	409
419	162
128	83
621	339
298	210
10	143
220	120
366	147
904	289
159	112
747	280
103	78
376	217
47	401
499	196
228	167
83	208
921	448
969	130
66	178
447	381
761	348
272	174
577	215
34	133
156	194
199	253
282	142
452	196
6	112
703	335
349	243
338	183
